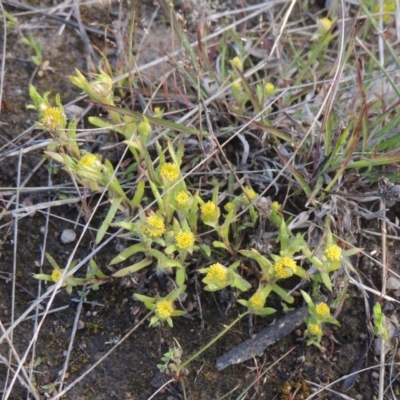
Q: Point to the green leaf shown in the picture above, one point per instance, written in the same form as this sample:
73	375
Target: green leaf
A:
52	262
137	198
219	245
129	226
240	283
124	255
206	249
326	280
265	311
108	219
180	276
132	268
144	299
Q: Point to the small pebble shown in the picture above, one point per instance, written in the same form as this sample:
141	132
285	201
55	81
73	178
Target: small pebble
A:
81	325
392	283
68	236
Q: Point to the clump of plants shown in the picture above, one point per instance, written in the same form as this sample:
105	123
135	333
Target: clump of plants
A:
167	219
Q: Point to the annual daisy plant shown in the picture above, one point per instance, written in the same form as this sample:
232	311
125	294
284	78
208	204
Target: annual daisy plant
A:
163	307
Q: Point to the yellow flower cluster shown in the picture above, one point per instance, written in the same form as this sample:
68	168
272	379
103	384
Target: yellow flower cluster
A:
182	197
323	25
144	128
275	206
169	171
56	275
155	226
387	8
207	209
210	212
256	300
229	206
237	62
164	309
88	160
285	267
269	89
333	253
184	240
237	86
251	194
53	118
215	272
315	329
322	310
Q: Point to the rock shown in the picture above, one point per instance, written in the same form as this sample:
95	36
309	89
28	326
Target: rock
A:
68	236
392	283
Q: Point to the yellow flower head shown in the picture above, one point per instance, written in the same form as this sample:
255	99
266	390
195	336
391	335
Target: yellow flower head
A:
144	128
323	25
216	272
237	62
387	8
210	212
333	253
275	206
184	240
315	329
53	119
154	226
56	275
322	310
285	267
251	194
164	309
89	160
256	300
237	86
269	89
182	198
158	112
169	171
229	206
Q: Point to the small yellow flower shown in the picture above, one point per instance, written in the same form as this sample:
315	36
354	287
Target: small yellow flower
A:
322	310
323	25
333	253
184	240
387	8
251	194
210	212
56	275
182	198
158	112
229	206
275	206
164	309
89	160
53	118
285	267
237	62
216	272
169	171
144	128
237	86
315	329
269	89
256	301
154	226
